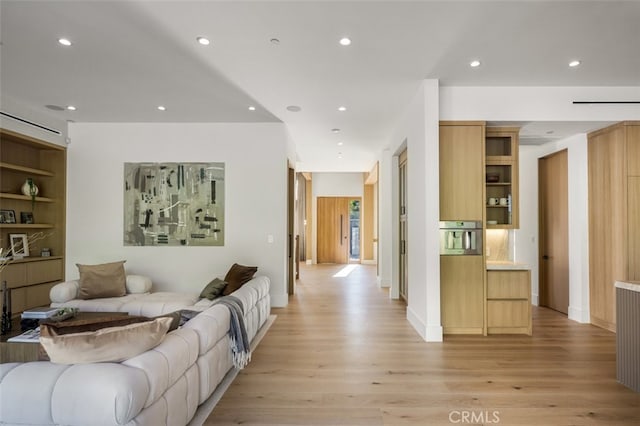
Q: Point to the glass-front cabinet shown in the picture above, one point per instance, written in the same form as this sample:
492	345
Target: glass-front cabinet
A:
501	177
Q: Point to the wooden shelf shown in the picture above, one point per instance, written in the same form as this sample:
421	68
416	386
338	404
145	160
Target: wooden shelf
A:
10	196
497	206
28	170
498	183
34	259
26	226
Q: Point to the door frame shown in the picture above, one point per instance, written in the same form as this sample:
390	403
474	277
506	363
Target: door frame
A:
542	241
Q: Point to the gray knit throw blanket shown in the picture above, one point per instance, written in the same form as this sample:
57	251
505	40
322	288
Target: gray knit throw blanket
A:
240	345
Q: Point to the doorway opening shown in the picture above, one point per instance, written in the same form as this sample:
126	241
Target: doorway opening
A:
354	231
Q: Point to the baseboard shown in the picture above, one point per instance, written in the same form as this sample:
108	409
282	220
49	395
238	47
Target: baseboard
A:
309	262
368	262
535	300
204	410
579	315
279	300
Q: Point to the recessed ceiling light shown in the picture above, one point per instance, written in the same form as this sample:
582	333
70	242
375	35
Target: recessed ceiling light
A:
345	41
252	108
550	132
203	41
294	108
274	41
340	143
574	63
71	108
64	41
342	108
161	108
335	130
340	155
474	64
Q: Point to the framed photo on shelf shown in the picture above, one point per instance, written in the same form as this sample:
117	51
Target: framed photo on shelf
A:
7	216
26	217
19	245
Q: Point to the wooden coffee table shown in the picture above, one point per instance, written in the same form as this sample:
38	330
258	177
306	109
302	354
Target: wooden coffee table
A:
27	352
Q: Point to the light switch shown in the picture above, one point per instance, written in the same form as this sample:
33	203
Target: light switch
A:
270	239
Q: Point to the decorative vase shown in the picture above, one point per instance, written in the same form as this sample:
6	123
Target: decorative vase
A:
29	188
6	308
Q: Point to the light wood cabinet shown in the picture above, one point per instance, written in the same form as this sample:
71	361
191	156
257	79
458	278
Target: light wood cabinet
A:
25	157
461	170
509	302
462	294
501	177
614	203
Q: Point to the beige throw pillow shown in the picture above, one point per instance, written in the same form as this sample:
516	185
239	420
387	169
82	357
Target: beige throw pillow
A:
105	280
113	344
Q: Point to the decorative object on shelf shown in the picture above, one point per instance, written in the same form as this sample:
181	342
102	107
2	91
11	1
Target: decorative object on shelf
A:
45	252
6	308
19	245
493	178
30	189
26	218
174	204
7	216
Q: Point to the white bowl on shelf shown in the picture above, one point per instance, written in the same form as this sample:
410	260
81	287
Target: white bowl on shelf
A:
492	222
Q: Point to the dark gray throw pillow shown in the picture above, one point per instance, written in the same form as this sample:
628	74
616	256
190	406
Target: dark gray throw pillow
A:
213	289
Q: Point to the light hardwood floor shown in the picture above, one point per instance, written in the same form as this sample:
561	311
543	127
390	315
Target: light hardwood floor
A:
342	353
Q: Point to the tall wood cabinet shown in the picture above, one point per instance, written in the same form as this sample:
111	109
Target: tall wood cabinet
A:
21	157
462	170
614	218
462	199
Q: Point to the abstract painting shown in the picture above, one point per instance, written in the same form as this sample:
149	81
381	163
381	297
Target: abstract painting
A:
174	204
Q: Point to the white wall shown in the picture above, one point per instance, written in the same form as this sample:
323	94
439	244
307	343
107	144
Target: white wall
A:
255	157
331	185
419	129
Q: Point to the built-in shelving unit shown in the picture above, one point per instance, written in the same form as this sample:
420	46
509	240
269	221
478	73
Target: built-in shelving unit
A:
501	177
23	157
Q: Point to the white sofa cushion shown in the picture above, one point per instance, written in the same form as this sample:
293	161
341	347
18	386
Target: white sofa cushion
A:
64	292
106	393
19	385
167	362
211	326
137	284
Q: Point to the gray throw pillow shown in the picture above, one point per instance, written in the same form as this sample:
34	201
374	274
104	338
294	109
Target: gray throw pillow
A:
213	289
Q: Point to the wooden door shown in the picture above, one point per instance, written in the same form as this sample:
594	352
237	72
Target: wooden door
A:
554	232
333	230
462	171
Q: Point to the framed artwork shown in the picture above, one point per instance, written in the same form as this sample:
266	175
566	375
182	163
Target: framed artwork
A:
19	245
174	204
26	217
7	216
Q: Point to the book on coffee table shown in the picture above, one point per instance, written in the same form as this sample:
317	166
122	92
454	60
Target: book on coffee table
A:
29	336
39	313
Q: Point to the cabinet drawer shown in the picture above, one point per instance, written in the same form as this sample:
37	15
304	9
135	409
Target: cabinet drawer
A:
14	274
508	285
38	295
44	271
508	313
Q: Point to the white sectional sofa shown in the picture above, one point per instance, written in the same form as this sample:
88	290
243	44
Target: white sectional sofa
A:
163	386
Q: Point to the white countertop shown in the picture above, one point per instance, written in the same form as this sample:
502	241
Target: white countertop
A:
506	266
629	285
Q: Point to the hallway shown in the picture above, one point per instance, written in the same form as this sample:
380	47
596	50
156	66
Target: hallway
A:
342	353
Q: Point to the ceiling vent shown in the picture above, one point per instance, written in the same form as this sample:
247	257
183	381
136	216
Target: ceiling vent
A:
31	123
605	102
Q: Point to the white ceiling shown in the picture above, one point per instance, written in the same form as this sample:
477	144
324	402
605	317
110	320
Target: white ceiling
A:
130	56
